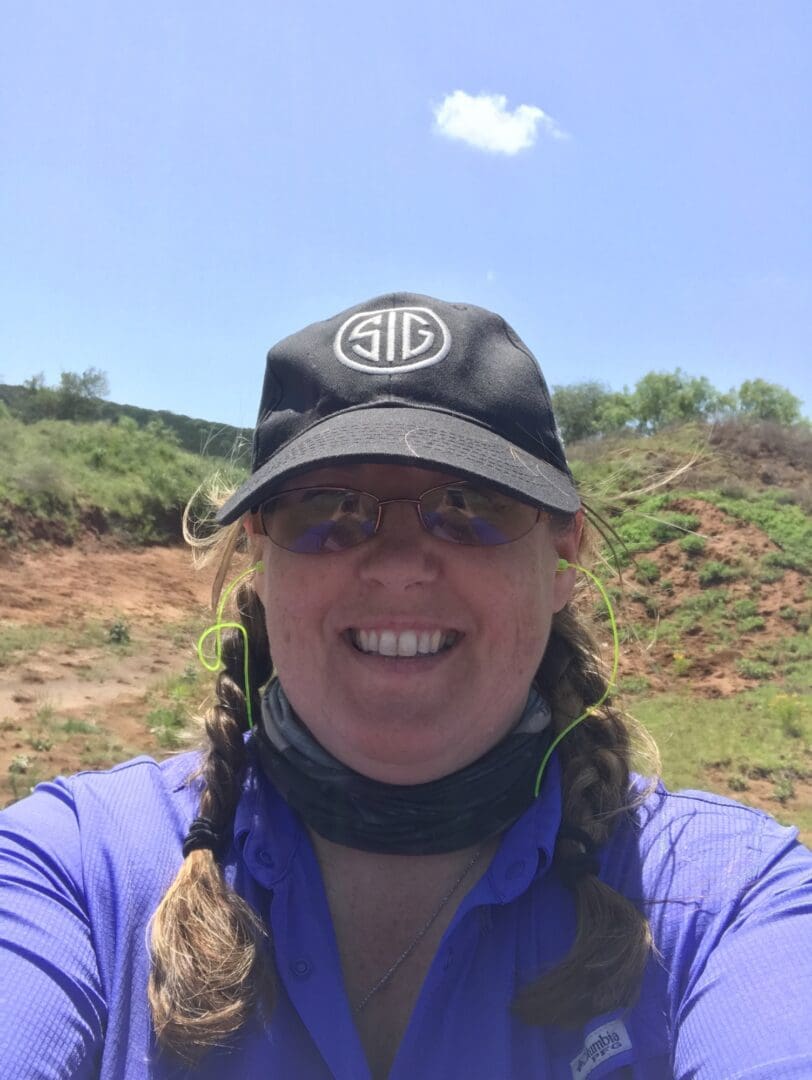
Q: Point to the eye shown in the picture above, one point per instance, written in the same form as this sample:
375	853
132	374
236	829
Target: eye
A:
455	497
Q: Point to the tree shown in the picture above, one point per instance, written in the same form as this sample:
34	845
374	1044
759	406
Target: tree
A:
77	396
761	400
586	409
662	398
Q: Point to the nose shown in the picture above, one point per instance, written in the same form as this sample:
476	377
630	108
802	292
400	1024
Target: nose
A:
401	554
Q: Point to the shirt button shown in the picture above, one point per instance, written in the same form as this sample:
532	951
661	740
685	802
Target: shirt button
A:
301	968
265	858
514	870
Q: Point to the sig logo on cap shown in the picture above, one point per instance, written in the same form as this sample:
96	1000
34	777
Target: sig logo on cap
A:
392	339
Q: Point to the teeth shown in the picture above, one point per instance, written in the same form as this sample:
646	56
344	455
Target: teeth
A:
404	643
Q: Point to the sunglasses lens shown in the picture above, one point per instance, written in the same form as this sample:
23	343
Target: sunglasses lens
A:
316	520
479	517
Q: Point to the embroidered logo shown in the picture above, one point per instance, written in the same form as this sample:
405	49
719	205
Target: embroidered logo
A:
601	1043
392	340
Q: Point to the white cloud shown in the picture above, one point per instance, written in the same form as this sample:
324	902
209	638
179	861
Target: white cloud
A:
484	121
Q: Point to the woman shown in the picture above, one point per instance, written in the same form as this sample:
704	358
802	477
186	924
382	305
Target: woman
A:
379	868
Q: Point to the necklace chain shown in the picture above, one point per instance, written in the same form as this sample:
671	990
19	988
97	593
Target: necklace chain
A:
390	972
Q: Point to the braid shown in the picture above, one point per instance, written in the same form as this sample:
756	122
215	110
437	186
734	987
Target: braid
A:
210	951
604	967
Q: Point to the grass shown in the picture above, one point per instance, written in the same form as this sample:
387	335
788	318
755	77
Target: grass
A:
715	572
131	481
786	525
651	523
173	706
19	639
761	733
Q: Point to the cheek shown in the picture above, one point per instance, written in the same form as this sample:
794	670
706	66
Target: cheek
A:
522	596
296	603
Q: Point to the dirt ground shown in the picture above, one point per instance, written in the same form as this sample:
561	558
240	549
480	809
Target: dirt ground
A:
70	674
711	662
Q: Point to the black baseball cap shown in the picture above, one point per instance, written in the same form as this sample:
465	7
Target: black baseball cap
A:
411	380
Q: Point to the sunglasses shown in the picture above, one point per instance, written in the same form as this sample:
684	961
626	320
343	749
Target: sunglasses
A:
316	520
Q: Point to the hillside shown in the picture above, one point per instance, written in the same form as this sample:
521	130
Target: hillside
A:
191	434
712	530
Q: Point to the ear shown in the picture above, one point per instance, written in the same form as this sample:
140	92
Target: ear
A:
567	545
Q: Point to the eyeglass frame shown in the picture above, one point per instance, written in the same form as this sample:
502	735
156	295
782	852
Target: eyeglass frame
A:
257	513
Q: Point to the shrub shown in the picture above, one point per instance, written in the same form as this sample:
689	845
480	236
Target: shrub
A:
715	572
787	709
693	545
768	575
784	789
710	600
634	684
755	669
119	633
646	571
672	525
682	664
786	560
743	609
791	614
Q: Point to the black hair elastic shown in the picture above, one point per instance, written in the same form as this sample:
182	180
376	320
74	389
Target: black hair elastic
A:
202	836
585	862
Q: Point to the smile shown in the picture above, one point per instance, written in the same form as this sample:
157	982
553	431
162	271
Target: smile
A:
403	642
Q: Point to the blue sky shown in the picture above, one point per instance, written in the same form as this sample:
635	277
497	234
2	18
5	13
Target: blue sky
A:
182	184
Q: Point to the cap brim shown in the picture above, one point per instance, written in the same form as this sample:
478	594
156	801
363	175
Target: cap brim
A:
409	436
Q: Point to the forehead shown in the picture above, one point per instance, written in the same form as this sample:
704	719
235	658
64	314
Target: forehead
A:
378	479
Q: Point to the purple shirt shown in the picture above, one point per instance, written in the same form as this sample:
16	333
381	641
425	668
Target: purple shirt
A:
85	861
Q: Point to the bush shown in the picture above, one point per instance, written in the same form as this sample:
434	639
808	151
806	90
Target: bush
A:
693	545
755	669
715	572
744	609
118	633
672	525
646	571
787	707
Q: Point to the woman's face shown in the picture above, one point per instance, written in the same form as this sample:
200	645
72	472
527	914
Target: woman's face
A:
411	719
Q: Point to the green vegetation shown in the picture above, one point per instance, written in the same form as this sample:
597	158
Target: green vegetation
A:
173	704
714	572
652	522
757	735
131	481
646	571
20	640
119	633
693	546
788	526
590	409
78	397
